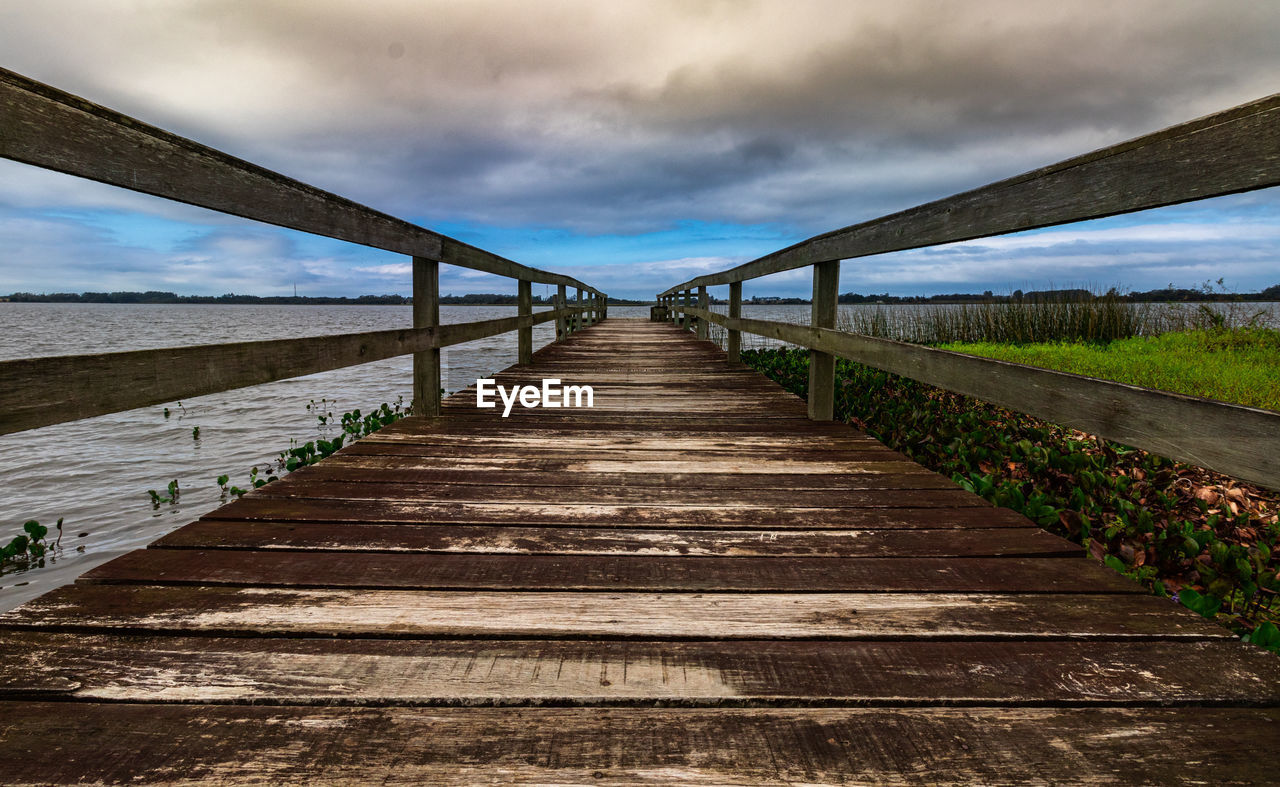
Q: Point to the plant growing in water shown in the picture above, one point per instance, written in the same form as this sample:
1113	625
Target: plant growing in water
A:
171	498
355	425
31	546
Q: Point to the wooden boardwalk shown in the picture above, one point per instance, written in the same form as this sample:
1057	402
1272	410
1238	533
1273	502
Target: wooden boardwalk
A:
689	582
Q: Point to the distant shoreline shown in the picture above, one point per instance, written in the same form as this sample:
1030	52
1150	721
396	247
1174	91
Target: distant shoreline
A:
1167	295
128	298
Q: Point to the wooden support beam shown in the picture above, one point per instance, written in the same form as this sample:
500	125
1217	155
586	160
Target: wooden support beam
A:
734	343
562	325
822	365
525	332
703	303
426	314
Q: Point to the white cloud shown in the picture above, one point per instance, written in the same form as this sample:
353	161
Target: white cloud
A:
399	269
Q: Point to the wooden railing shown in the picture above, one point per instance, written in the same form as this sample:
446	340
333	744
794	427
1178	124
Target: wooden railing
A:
1225	153
49	128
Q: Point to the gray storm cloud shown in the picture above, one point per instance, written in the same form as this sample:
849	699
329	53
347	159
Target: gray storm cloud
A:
628	116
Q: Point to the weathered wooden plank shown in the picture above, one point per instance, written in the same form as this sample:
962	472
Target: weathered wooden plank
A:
712	427
1243	442
969	542
588	418
259	507
385	469
902	491
401	614
614	439
854	449
856	463
1224	153
594	672
118	743
430	571
524	438
641	414
867	458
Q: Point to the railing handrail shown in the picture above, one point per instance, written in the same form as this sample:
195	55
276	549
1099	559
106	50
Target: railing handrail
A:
1224	153
56	389
1227	152
53	129
50	128
1239	441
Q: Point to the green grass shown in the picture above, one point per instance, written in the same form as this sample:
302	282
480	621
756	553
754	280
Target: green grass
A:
1241	366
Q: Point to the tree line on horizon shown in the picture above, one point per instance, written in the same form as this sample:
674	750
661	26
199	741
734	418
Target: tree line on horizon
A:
156	296
1162	295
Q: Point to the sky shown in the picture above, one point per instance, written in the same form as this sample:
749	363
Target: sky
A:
634	145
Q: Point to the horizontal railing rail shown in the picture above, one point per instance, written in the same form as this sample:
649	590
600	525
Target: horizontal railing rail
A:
1200	431
56	130
44	391
46	127
1224	153
1229	152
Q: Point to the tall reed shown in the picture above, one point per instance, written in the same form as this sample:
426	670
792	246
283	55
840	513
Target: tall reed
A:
1101	320
1097	320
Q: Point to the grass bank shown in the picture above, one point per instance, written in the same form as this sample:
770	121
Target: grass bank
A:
1241	366
1181	530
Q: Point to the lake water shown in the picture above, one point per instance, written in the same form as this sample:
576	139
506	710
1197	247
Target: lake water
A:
95	473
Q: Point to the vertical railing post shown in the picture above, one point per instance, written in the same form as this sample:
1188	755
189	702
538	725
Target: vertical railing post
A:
578	316
703	303
426	314
734	343
562	324
524	305
822	366
684	304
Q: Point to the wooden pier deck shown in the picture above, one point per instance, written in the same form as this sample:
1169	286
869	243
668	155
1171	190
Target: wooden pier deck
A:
690	582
